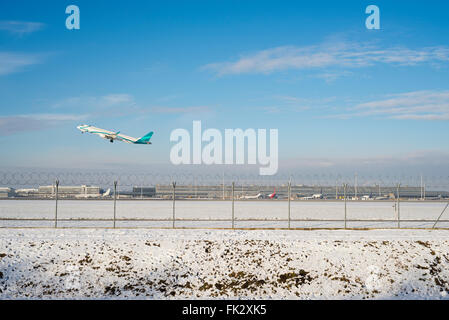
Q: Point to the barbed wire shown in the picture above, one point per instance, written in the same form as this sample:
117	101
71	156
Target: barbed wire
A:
16	179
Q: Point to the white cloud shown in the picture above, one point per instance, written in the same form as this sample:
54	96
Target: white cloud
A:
330	54
179	110
100	102
418	105
119	105
332	76
31	122
417	158
56	117
297	104
14	62
113	99
20	27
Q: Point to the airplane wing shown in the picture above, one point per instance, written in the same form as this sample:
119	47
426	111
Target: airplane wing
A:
127	139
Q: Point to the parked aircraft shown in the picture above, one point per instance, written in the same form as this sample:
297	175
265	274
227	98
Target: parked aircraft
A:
261	196
257	196
313	197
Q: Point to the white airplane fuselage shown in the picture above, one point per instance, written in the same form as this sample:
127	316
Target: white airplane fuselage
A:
258	196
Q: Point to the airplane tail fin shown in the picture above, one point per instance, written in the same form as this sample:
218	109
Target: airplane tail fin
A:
146	138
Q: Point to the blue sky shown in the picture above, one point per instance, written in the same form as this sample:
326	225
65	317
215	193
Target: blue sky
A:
338	93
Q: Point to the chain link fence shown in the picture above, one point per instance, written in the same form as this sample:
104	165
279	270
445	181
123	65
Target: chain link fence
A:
293	205
23	179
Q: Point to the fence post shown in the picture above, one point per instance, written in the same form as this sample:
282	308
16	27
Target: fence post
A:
399	211
336	190
424	191
174	197
223	188
56	204
344	192
115	200
289	196
233	189
433	227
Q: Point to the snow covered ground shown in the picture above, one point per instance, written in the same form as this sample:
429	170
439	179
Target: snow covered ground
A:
221	264
334	210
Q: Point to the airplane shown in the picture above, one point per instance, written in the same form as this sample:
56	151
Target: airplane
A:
111	136
273	195
315	196
107	193
257	196
261	196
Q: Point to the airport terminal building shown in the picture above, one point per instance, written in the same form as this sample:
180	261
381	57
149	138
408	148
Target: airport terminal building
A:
64	191
6	192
